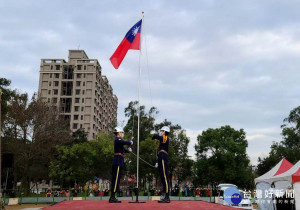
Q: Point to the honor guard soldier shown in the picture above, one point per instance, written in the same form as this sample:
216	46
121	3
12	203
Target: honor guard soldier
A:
163	162
118	162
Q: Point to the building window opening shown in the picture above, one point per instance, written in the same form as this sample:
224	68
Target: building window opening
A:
68	72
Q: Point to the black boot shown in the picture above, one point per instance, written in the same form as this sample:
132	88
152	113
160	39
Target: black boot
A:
162	196
166	199
113	199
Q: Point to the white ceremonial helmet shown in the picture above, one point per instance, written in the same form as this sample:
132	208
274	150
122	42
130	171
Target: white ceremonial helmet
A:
118	129
165	128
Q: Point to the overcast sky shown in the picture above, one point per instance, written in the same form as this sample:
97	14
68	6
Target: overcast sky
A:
210	63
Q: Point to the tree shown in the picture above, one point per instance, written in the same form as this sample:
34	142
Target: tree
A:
32	130
7	94
179	162
82	161
291	129
221	157
73	164
289	147
275	155
147	120
104	145
79	136
146	171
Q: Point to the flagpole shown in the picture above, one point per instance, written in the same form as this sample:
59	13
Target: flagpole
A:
138	127
139	86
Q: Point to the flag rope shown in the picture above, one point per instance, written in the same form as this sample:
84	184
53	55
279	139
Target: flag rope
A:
143	160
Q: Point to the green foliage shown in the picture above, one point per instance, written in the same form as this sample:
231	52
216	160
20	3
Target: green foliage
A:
291	129
289	147
79	136
221	157
146	121
32	130
73	163
180	165
147	149
147	153
104	146
81	162
6	96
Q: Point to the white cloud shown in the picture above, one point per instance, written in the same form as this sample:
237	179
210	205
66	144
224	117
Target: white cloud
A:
260	140
266	44
265	131
192	134
257	136
177	52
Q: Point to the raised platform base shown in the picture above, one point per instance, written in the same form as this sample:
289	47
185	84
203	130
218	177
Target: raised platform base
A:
125	205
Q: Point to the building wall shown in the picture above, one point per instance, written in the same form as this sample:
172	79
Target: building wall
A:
80	92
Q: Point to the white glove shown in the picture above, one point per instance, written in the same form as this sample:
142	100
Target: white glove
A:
129	149
156	165
131	142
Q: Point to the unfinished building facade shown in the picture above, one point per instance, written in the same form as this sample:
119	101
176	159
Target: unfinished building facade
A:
80	92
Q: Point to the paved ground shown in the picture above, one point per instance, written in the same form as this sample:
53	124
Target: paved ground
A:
26	207
149	205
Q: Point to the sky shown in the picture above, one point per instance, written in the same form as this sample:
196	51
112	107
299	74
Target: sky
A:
205	64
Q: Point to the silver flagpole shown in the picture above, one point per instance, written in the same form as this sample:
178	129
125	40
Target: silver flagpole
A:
139	86
138	127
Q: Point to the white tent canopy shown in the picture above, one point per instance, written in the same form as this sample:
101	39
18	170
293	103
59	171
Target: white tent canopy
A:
281	167
288	175
288	179
263	184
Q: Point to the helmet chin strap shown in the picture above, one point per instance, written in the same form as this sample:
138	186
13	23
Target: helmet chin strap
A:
120	135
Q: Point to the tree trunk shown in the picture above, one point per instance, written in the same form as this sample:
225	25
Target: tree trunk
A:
26	185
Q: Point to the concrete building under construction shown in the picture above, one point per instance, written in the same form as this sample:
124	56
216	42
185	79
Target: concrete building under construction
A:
82	94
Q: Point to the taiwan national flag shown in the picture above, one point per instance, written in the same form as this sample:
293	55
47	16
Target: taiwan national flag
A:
131	41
